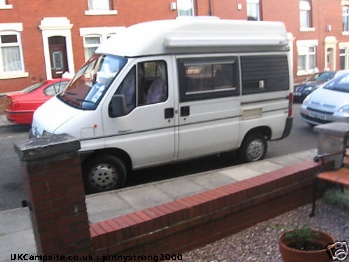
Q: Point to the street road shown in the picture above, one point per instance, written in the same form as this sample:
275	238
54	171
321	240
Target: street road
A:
12	190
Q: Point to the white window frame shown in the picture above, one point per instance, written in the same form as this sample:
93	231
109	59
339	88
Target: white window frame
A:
344	46
303	49
12	29
88	46
102	32
253	9
305	12
185	8
345	19
99	7
4	5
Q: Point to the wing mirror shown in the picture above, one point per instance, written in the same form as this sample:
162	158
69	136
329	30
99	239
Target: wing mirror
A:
117	106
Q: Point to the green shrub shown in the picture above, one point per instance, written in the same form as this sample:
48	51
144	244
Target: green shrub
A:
336	197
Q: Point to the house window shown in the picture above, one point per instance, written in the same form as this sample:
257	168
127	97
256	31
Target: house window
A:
253	10
100	5
306	57
305	14
5	5
91	43
345	18
344	57
11	57
185	7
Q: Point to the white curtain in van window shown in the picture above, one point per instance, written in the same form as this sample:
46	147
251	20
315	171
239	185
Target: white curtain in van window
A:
11	59
99	5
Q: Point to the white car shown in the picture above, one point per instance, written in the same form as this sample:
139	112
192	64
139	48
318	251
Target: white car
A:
330	103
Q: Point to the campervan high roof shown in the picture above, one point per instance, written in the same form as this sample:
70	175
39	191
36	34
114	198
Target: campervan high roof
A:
196	35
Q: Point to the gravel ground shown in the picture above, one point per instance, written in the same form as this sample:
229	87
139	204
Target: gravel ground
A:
259	243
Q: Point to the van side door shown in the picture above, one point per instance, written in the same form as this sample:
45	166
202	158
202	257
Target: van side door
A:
146	130
209	105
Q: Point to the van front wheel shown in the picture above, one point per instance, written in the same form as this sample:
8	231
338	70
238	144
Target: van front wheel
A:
253	148
104	173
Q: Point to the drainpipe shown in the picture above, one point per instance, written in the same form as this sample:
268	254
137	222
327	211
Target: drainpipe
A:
210	12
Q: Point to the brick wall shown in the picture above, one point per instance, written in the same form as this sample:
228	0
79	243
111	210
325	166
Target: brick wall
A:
52	175
196	220
56	198
30	13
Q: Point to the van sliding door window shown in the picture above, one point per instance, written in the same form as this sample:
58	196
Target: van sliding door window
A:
264	73
207	78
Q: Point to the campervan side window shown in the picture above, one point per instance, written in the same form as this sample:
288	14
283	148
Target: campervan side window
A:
152	82
207	78
264	73
144	84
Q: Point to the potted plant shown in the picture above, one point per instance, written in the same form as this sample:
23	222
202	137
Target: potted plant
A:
305	244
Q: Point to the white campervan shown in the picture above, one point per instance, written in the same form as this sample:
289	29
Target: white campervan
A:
172	90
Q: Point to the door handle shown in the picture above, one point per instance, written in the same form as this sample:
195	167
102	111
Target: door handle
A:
185	111
169	113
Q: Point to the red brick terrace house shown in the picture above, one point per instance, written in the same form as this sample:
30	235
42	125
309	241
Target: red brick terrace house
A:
41	39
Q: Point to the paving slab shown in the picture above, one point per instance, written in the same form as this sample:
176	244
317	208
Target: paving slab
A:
241	173
211	180
144	196
177	188
105	206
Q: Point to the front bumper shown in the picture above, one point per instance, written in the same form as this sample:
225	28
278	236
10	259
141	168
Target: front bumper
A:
318	117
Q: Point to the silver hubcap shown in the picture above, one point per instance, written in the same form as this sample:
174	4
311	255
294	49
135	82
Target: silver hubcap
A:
255	150
103	176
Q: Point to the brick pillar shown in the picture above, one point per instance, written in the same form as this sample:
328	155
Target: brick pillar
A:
56	197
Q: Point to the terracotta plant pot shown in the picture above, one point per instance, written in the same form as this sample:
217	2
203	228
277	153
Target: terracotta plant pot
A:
293	255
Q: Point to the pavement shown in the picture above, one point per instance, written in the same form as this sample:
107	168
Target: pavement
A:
16	234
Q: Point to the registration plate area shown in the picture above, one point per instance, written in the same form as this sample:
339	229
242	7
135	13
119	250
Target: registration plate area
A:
318	115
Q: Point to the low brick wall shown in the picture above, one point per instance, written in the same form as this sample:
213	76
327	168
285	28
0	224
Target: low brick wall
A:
53	181
196	220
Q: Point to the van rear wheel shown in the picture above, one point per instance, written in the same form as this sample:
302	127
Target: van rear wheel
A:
104	173
253	148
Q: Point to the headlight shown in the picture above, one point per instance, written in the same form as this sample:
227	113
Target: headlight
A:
344	109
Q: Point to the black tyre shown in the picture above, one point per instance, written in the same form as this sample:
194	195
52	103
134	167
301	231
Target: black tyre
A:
253	148
103	173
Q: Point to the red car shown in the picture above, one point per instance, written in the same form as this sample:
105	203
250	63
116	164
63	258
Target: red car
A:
21	105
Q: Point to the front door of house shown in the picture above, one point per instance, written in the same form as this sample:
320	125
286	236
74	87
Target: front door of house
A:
58	56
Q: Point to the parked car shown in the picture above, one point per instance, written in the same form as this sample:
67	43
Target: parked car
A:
21	105
329	103
310	84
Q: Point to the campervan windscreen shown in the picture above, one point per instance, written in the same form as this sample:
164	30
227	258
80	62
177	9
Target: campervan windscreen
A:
92	81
